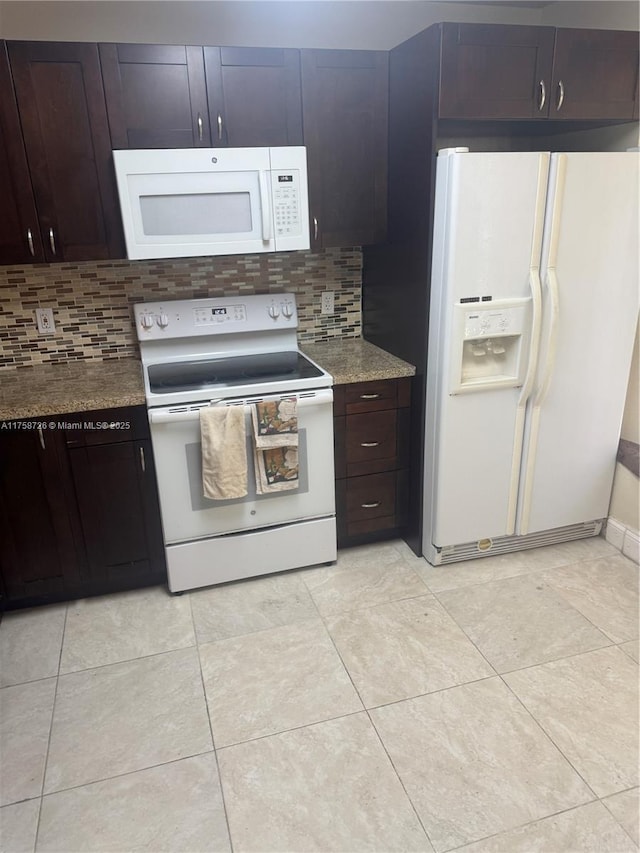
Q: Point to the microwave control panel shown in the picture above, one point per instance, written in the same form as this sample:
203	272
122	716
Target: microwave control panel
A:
286	202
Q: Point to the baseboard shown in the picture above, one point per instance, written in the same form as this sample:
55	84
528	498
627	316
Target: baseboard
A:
625	539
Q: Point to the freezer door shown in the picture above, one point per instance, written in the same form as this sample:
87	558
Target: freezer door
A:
487	243
590	296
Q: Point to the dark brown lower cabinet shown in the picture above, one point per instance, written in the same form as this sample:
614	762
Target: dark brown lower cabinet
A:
40	541
371	428
79	507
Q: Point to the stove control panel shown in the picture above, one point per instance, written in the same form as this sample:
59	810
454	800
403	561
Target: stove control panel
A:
217	314
187	318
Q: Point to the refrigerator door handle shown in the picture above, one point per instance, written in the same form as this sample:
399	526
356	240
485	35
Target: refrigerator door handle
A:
553	290
554	303
535	286
551	280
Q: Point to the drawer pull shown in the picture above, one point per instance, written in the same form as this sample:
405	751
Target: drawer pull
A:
369	443
371	505
369	396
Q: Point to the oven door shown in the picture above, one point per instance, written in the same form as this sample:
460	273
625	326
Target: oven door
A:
187	515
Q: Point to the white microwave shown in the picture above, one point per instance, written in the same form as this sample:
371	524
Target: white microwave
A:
213	201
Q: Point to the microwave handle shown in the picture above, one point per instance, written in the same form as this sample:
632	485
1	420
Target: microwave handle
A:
265	206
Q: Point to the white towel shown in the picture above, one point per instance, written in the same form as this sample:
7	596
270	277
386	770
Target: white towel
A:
224	452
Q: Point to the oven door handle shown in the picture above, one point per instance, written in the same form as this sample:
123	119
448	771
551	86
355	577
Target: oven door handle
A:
305	400
173	417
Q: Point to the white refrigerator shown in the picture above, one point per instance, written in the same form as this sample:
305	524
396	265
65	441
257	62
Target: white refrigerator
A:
533	313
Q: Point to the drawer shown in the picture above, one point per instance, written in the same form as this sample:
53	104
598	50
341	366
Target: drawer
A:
371	507
371	396
105	426
371	442
357	397
371	497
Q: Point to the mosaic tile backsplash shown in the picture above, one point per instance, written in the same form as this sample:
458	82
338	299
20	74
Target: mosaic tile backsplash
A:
92	302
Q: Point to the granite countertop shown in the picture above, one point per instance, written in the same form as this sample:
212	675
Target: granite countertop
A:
355	360
76	386
81	386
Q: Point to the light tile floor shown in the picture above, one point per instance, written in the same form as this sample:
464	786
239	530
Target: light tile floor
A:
380	704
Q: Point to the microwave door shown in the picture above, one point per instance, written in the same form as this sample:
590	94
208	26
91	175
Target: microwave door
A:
175	215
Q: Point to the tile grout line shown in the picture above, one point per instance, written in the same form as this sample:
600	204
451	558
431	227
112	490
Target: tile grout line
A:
617	820
399	777
535	720
213	740
530	713
53	711
522	826
371	723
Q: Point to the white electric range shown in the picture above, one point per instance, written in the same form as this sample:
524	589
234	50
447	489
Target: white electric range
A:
234	352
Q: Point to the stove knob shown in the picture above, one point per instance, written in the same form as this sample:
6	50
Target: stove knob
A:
287	310
274	311
162	320
146	321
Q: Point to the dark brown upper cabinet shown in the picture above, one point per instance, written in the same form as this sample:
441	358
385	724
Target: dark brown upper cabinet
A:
66	137
172	96
345	114
495	71
254	96
19	232
595	75
156	95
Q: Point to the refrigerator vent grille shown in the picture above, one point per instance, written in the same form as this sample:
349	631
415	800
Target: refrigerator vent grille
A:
506	544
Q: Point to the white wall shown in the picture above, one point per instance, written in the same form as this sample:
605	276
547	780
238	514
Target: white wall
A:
366	24
611	15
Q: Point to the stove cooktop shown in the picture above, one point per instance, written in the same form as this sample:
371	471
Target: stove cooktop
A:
225	372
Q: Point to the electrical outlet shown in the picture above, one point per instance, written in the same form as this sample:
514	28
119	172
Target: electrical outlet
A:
326	302
44	319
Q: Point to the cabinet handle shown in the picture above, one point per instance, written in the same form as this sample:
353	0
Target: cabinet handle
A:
543	95
30	242
315	228
219	127
371	505
52	241
142	462
200	127
560	94
369	396
41	437
369	443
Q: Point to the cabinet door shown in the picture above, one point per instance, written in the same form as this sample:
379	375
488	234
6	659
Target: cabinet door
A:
156	95
254	96
595	75
345	106
495	71
115	490
66	135
38	526
19	234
